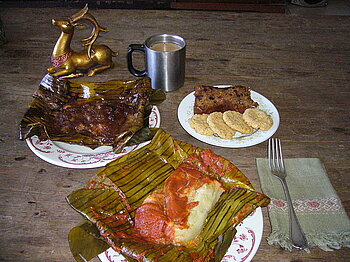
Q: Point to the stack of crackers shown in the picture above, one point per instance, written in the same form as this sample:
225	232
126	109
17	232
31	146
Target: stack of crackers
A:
226	124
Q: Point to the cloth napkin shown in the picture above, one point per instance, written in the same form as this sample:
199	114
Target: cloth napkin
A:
317	206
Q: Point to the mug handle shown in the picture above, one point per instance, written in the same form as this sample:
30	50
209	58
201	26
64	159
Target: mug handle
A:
131	49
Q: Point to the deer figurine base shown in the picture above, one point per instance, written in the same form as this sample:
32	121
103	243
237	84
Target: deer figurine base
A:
66	63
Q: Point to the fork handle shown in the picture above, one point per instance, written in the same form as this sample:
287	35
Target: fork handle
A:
297	235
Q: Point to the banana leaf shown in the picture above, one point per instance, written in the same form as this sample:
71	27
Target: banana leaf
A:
111	197
91	113
93	244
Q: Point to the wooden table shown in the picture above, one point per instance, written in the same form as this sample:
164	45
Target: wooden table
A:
301	63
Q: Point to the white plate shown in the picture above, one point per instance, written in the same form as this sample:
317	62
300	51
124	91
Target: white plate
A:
243	247
76	156
186	111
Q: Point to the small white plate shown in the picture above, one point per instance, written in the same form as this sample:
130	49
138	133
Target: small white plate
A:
76	156
186	111
243	247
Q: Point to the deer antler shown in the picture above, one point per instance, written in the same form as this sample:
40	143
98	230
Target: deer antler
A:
94	34
77	16
83	14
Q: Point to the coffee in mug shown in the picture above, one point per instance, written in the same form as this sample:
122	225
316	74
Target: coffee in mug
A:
164	61
165	47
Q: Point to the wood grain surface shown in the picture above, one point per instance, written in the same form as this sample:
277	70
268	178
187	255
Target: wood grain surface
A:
300	63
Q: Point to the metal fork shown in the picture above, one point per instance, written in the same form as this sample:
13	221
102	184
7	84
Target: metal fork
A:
276	164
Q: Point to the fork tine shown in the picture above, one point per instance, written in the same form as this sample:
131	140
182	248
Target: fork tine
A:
280	155
275	154
272	154
269	153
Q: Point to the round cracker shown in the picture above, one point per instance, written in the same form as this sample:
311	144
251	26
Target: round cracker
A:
218	125
199	123
257	118
235	120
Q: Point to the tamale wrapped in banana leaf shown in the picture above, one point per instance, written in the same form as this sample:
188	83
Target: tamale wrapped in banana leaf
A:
111	199
90	113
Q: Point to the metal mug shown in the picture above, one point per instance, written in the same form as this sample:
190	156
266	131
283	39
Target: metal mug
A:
164	61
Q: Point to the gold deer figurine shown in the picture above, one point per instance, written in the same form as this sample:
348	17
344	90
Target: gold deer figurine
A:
67	63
